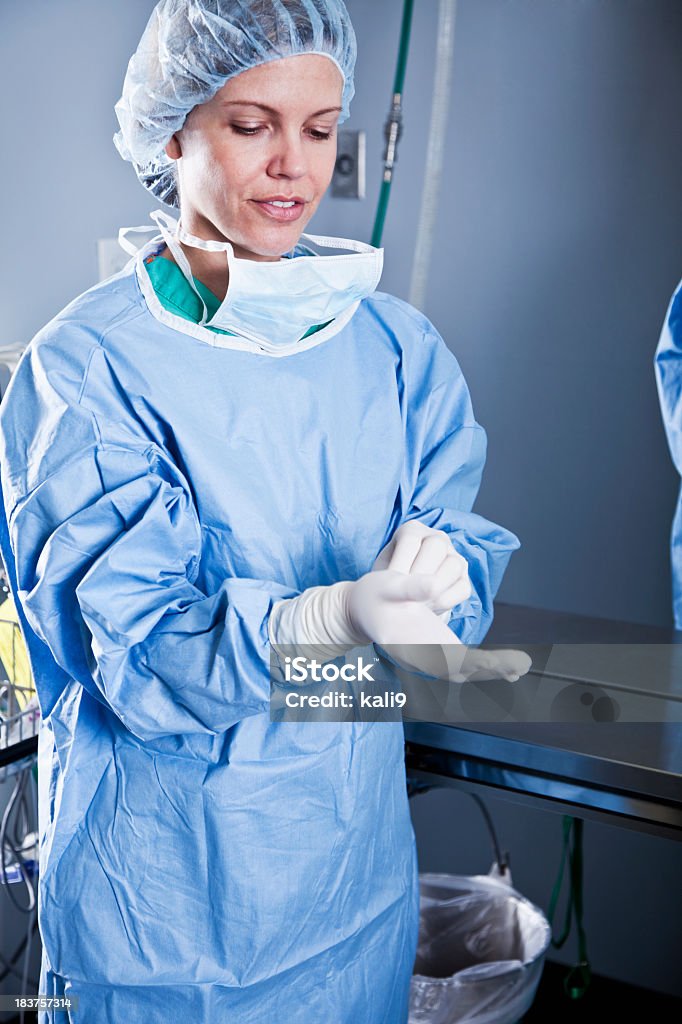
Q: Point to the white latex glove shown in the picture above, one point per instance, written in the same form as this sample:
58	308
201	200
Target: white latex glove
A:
391	609
420	551
416	549
459	664
383	607
388	606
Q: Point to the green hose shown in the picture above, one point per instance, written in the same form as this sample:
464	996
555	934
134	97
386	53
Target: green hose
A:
404	46
393	128
578	978
380	218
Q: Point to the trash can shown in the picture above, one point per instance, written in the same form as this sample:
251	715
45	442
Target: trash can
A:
480	951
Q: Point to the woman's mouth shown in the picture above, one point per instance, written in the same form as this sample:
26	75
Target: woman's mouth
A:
281	209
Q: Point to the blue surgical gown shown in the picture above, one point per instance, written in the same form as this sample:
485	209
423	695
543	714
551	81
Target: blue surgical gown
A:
668	366
163	488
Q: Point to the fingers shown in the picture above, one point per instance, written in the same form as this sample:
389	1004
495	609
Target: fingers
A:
448	599
453	585
436	591
407	535
419	550
406	545
513	664
509	665
434	550
482	665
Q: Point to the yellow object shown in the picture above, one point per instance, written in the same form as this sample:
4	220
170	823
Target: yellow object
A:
14	655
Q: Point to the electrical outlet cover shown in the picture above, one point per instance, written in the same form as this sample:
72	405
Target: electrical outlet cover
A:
348	181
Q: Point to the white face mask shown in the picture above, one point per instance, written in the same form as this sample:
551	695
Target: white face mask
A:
275	304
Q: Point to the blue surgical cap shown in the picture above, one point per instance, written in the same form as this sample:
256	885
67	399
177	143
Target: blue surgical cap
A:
191	48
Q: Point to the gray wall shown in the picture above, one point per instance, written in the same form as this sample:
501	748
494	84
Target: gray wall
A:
63	184
556	251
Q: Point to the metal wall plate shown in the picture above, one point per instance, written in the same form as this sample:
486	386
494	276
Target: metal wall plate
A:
348	181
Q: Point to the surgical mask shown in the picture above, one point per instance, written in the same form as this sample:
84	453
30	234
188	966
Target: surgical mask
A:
274	304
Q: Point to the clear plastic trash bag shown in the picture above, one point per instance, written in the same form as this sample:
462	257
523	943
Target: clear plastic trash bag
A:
480	952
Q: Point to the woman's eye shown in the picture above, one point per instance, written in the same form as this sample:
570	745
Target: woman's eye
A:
318	134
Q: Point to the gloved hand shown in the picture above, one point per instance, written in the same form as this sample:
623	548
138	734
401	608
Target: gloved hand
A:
459	664
424	553
383	606
391	609
418	549
388	606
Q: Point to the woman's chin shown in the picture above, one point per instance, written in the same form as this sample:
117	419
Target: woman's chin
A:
266	249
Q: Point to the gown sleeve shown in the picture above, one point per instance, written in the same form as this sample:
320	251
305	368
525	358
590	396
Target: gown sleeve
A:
668	367
446	455
106	543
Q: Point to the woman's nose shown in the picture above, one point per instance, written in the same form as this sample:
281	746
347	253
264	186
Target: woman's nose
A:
288	158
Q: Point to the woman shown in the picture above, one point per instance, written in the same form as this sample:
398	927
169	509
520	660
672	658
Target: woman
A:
202	457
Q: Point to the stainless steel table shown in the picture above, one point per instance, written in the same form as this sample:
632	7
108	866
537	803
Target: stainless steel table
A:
623	773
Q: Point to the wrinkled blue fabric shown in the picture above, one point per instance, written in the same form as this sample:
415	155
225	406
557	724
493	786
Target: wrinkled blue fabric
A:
668	365
198	862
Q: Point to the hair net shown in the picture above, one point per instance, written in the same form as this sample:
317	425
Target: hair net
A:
190	48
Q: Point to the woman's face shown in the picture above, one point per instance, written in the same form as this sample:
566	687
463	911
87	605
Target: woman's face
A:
269	135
